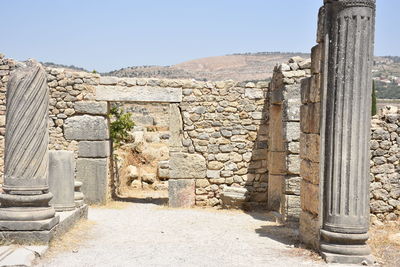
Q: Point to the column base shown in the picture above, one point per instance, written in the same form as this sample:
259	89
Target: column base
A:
40	225
345	248
348	259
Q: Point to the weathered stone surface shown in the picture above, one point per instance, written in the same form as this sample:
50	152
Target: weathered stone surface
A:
277	162
91	107
346	130
310	200
86	128
309	229
138	93
309	171
187	166
291	207
275	191
253	93
309	147
94	149
24	203
61	179
233	197
93	175
181	193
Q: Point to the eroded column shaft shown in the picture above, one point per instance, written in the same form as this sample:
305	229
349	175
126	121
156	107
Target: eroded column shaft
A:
350	31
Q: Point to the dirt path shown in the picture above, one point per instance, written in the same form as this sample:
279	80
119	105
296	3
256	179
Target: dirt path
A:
139	234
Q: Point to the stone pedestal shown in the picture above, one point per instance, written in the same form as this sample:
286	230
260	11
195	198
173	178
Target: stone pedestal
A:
349	28
79	197
181	193
25	202
61	180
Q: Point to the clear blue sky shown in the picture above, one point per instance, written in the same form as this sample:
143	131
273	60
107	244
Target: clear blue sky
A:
106	35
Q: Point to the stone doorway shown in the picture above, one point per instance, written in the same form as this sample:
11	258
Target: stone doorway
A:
141	164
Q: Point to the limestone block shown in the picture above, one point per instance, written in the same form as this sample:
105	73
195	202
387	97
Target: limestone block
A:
316	59
91	107
187	166
181	193
305	90
93	174
309	197
315	86
292	185
86	128
61	179
309	229
107	80
309	171
293	164
94	149
138	94
292	131
233	197
310	118
291	209
292	111
309	147
277	162
276	136
275	190
253	93
175	126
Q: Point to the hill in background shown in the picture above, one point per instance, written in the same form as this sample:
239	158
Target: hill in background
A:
251	67
238	67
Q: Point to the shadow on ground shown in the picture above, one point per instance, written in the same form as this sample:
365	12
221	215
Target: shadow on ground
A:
284	233
145	200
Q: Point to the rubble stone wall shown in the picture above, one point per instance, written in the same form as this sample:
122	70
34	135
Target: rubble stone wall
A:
385	167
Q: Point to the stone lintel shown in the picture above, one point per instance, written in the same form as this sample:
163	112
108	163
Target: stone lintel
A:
139	94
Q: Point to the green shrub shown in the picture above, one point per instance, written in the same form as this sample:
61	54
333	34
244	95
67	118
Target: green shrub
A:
373	109
121	124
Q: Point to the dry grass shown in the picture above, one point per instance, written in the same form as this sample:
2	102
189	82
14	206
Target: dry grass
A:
72	240
385	249
113	205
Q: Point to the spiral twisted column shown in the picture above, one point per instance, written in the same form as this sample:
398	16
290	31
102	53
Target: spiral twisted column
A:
25	201
349	28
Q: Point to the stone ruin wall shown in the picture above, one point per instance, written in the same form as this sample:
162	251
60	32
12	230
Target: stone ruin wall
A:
385	167
246	133
284	138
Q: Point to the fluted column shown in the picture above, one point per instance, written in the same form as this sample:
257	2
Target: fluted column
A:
25	201
349	29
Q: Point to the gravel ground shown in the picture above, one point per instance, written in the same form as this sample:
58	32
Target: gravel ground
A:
146	234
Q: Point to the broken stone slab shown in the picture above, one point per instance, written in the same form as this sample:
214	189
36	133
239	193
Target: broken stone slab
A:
93	174
86	128
94	149
91	107
187	166
234	197
138	94
181	193
61	179
20	256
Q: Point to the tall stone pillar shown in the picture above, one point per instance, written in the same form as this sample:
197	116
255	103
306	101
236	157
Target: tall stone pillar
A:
25	213
349	38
